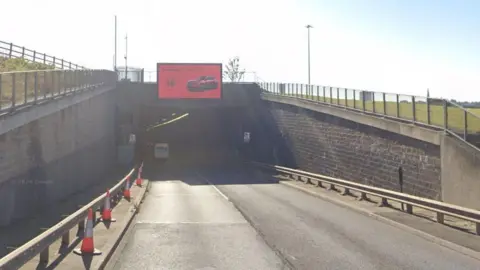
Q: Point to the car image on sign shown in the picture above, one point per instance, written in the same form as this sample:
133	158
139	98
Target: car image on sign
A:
202	83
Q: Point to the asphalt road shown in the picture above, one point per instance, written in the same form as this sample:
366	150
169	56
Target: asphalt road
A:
186	223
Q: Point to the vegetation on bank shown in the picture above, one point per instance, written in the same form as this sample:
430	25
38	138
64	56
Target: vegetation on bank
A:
19	64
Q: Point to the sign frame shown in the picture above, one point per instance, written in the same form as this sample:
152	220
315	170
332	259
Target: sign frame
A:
190	64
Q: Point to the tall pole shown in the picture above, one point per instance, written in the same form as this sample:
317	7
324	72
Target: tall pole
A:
308	30
126	66
115	55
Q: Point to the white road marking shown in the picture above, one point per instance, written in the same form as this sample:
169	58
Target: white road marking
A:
210	183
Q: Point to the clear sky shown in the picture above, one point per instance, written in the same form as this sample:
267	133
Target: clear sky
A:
403	46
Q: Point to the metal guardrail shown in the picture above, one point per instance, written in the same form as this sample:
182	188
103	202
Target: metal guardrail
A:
10	50
41	243
439	208
430	112
25	88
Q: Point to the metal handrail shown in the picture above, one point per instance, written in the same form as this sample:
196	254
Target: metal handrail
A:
412	109
440	208
41	243
10	50
25	88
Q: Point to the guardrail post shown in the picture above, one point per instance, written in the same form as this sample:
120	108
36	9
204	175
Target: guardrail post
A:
44	256
324	97
414	117
440	217
318	93
54	65
409	209
34	56
319	184
345	192
62	63
296	90
23	52
362	197
66	239
383	202
332	187
465	127
44	58
374	110
81	227
346	100
477	228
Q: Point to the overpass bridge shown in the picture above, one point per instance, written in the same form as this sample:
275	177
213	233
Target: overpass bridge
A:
208	206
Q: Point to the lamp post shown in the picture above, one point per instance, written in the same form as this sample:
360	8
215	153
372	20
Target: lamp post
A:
126	67
308	30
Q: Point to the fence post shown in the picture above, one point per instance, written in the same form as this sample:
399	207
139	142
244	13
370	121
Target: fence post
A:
25	89
0	91
445	115
44	59
373	103
35	56
318	93
363	99
413	110
331	95
465	127
324	97
10	51
384	104
13	91
23	52
35	88
338	96
54	65
346	100
428	110
62	63
398	106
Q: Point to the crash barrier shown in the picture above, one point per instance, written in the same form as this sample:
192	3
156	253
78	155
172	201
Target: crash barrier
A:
439	208
40	245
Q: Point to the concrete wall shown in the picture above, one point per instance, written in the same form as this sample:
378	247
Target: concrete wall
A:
460	173
48	158
338	147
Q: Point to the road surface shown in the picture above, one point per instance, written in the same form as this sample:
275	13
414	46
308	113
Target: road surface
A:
246	221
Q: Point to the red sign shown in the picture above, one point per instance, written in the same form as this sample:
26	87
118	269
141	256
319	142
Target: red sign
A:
189	81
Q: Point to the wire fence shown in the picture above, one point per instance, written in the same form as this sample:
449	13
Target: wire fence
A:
10	50
426	111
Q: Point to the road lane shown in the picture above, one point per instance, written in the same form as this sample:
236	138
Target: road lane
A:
315	234
186	224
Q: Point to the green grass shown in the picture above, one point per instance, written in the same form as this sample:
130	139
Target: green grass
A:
455	119
47	82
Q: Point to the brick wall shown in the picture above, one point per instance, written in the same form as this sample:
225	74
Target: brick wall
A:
336	147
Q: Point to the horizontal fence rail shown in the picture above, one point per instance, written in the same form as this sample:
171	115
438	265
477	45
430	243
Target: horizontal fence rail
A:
439	208
41	243
26	88
10	50
425	111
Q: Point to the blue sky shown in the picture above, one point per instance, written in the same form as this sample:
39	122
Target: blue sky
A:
391	46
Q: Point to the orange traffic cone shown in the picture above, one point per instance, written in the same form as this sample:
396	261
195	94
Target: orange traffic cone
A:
126	191
139	177
87	247
107	210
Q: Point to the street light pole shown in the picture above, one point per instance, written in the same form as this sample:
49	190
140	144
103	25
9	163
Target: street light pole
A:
308	30
115	55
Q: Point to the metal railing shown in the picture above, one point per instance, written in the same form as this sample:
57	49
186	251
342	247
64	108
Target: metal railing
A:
429	112
25	88
10	50
149	76
41	243
439	208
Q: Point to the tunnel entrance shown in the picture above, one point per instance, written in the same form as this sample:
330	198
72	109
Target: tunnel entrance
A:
194	137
